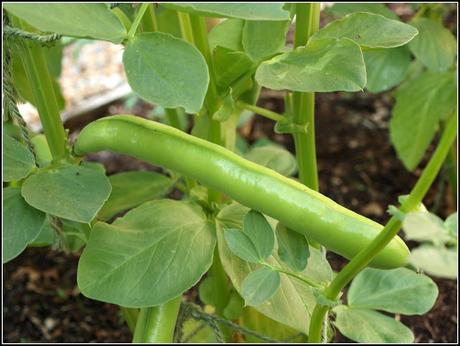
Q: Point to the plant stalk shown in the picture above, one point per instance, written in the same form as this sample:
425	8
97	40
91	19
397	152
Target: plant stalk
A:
137	20
362	259
261	111
156	324
149	20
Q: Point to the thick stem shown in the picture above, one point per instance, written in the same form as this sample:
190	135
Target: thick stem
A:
37	72
362	259
156	324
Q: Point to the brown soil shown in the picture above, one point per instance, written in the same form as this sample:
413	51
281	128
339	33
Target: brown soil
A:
357	167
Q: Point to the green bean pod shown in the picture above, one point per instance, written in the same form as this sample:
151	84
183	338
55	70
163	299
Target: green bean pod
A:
295	205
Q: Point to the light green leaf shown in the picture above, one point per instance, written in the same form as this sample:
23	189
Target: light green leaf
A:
166	71
240	244
229	65
341	9
321	66
227	34
293	302
386	68
451	224
254	320
292	248
368	30
273	157
398	291
436	261
257	228
71	19
368	326
197	332
250	11
18	161
424	226
255	34
420	104
151	255
130	189
259	286
21	223
72	192
435	46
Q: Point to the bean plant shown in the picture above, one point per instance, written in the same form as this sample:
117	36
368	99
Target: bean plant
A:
251	230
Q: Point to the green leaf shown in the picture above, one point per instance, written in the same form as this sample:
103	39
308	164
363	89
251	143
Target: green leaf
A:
241	245
255	34
292	248
321	66
166	71
196	331
368	326
227	34
229	65
130	189
294	301
435	46
259	286
257	228
226	109
451	224
46	236
21	223
168	21
79	20
254	320
151	255
420	104
424	226
386	68
250	11
342	9
436	261
368	30
18	161
273	157
398	291
72	192
235	306
214	289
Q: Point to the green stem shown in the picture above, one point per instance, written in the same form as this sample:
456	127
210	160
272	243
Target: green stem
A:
393	226
303	104
173	117
185	26
40	80
302	278
450	165
130	315
137	20
261	111
156	324
149	21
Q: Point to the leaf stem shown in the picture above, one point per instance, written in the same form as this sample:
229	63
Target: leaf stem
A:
261	111
299	277
156	324
149	20
393	226
137	20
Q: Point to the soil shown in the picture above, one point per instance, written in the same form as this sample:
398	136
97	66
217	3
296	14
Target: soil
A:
357	166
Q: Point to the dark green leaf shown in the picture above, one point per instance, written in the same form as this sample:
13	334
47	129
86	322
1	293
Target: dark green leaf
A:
166	71
259	286
259	231
240	244
229	65
18	161
227	34
292	248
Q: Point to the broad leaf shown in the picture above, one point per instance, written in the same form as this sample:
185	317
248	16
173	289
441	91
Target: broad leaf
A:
256	226
240	244
386	68
451	224
227	34
341	9
255	34
214	289
398	290
425	226
229	65
166	71
259	286
293	302
18	161
80	20
420	104
250	11
368	30
151	255
368	326
130	189
21	223
292	248
46	236
435	46
435	260
321	66
72	192
273	157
